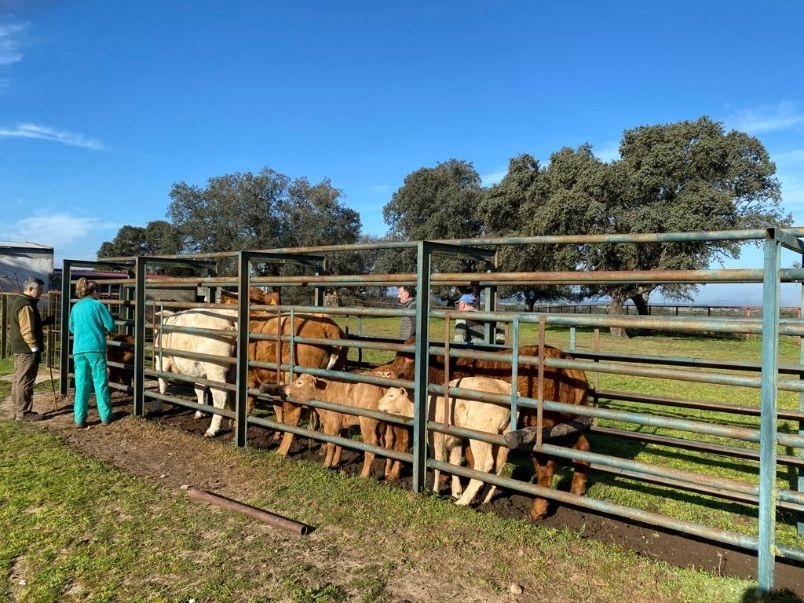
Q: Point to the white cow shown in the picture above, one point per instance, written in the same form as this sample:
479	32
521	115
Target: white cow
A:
222	345
468	414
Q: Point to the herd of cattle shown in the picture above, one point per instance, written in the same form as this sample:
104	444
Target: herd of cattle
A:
211	338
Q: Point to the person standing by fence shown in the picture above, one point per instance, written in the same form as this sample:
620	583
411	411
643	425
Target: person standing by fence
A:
466	330
26	342
90	320
407	324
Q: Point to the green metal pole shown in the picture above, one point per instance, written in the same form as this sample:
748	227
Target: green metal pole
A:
768	420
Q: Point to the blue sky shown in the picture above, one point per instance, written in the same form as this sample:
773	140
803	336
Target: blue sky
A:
104	105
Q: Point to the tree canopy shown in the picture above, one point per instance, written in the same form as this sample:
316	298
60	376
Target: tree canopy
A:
157	238
686	176
433	203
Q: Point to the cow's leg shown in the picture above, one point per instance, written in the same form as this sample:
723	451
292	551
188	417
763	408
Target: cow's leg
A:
278	417
580	468
156	405
218	401
388	441
329	457
436	441
200	394
369	429
401	442
454	448
291	414
501	456
544	468
484	461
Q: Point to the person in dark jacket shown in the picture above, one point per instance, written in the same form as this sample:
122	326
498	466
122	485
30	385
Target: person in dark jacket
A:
407	324
26	342
90	320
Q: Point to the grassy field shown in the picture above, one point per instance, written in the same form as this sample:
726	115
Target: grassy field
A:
77	530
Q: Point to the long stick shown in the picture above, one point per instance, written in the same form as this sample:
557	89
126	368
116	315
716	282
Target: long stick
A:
53	389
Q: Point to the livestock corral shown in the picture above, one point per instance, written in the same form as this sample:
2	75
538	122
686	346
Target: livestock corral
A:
692	428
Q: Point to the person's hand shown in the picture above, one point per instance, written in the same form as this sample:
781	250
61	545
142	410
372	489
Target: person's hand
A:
50	320
37	356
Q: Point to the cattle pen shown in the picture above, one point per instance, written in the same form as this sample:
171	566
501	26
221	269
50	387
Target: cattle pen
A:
713	431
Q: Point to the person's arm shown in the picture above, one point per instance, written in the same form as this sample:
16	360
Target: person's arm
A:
461	331
107	319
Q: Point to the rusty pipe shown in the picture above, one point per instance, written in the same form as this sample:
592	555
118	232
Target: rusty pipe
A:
272	518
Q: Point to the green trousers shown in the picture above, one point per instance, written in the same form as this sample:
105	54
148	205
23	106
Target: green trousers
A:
90	368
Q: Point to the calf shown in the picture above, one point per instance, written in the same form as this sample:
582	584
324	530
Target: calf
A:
559	384
467	414
313	355
360	395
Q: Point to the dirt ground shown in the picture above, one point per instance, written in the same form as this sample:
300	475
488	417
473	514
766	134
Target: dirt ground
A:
157	457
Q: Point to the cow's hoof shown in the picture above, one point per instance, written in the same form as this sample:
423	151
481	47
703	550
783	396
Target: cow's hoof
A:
210	434
198	415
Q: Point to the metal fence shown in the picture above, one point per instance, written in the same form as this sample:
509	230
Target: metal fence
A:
762	440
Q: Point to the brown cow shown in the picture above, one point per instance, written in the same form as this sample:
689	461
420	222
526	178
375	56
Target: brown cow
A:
255	296
121	354
360	395
561	385
304	354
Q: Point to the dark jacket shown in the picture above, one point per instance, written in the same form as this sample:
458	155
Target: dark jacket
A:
17	344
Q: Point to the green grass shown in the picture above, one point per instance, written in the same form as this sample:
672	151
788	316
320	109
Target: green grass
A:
77	530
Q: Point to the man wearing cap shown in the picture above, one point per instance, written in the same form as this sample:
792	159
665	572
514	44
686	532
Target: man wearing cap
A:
467	331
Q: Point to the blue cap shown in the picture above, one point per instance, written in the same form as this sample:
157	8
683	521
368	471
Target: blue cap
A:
467	298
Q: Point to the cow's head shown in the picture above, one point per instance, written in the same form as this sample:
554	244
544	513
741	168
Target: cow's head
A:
396	402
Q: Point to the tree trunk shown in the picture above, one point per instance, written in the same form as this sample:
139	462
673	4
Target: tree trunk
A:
640	303
616	309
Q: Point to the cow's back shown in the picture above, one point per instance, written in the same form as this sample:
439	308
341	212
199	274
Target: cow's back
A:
220	344
304	354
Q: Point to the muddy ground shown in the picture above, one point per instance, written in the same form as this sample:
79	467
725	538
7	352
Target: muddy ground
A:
149	459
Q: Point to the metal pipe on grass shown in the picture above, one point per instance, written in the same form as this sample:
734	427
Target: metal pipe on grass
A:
272	518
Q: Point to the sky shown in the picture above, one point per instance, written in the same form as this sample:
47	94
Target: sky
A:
104	106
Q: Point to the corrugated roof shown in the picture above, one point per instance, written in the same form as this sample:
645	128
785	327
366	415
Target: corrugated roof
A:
24	245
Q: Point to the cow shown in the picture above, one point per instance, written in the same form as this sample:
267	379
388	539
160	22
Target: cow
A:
312	355
122	353
255	296
221	345
467	414
306	387
562	385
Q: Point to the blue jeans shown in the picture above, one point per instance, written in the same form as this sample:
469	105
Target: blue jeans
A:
90	368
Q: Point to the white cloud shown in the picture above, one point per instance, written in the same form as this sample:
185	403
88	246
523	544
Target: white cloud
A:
10	51
45	133
60	230
783	116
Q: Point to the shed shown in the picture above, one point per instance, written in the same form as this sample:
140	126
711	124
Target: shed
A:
18	261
